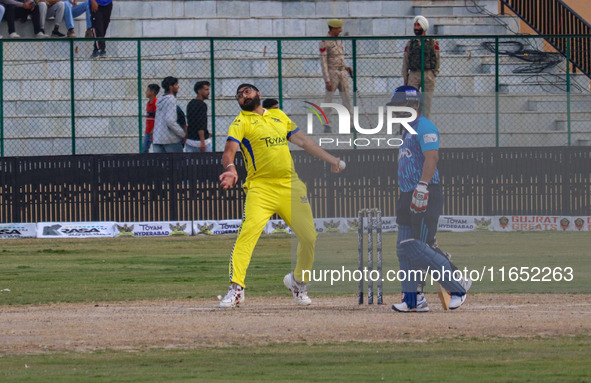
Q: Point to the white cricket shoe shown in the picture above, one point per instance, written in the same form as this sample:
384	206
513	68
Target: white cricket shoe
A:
14	35
456	301
422	306
298	289
234	297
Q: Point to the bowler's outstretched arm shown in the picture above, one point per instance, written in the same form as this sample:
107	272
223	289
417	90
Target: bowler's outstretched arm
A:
306	143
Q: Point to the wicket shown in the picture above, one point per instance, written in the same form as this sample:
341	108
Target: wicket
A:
374	221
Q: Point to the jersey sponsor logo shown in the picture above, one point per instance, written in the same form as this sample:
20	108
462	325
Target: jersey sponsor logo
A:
274	141
276	119
428	138
304	199
405	153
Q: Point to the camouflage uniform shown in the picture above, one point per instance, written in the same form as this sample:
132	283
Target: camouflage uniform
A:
411	68
332	55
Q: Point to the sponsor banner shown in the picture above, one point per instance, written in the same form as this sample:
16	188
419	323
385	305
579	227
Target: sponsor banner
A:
500	223
75	229
277	226
152	229
388	224
464	223
18	230
216	227
541	223
331	225
352	224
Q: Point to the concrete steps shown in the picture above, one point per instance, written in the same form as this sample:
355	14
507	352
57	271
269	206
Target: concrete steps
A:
224	18
443	8
577	104
578	123
458	29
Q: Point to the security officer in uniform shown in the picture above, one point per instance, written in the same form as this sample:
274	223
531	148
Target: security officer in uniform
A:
411	66
336	74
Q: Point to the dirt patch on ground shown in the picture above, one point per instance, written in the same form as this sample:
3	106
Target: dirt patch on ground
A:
199	323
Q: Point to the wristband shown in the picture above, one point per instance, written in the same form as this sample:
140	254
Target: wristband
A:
423	183
229	166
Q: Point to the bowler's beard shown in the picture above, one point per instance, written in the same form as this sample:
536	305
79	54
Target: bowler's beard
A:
418	31
251	104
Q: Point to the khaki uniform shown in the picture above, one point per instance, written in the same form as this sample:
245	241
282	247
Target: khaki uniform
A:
332	56
411	69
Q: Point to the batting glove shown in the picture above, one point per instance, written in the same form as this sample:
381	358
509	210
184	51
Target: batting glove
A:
420	198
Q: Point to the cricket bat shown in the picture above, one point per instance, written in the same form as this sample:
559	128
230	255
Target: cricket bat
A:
443	295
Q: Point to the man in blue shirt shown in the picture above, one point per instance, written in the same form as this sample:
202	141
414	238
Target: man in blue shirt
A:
419	208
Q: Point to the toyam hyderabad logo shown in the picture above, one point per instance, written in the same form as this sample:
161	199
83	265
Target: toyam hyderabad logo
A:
393	116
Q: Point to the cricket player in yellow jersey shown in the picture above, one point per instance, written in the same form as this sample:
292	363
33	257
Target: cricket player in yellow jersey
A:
272	187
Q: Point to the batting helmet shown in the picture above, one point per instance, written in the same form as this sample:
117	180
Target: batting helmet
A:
406	96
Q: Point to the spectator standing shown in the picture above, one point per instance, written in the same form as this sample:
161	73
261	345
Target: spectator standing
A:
151	94
168	134
411	64
198	138
101	17
336	74
181	119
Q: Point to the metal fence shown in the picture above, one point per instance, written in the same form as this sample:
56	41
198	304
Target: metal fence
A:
185	186
491	91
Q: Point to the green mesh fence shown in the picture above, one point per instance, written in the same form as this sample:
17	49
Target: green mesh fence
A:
106	94
36	98
489	90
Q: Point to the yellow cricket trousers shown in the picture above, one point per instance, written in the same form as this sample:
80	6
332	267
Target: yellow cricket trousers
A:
289	199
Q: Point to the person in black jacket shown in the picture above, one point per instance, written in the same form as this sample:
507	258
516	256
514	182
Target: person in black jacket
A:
198	139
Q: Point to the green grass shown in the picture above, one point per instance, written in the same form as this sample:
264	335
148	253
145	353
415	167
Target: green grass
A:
457	360
126	269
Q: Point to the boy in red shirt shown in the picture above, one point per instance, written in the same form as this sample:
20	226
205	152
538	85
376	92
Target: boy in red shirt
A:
151	93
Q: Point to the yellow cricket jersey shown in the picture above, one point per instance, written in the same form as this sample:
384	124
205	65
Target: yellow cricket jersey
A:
263	142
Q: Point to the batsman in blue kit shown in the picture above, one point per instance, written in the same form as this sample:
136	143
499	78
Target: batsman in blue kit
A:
418	210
